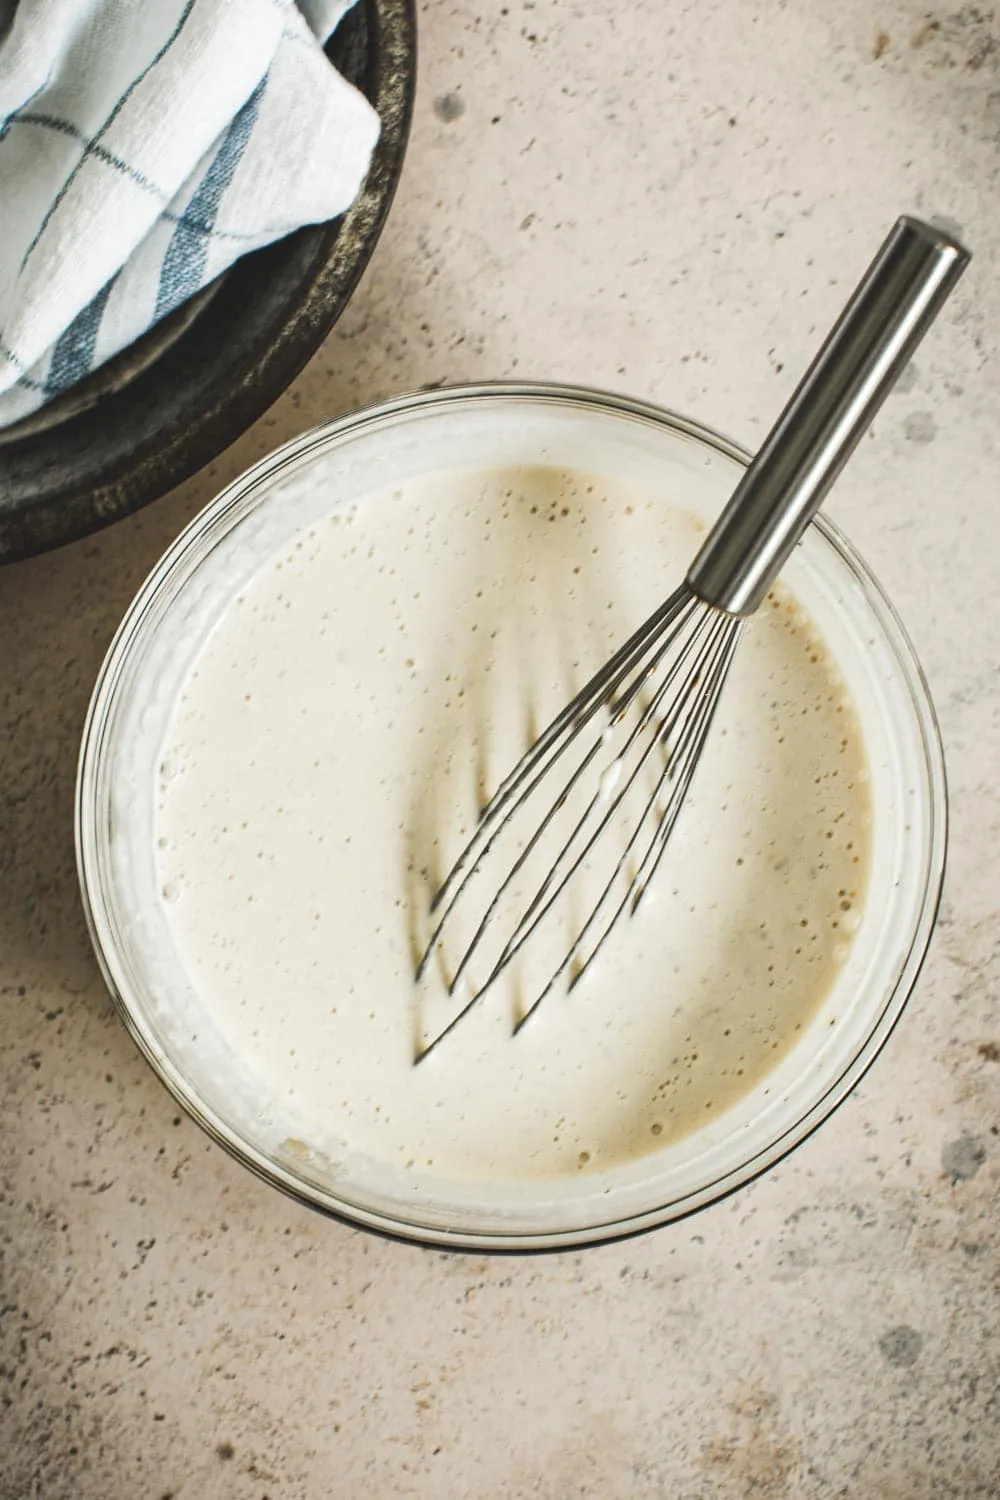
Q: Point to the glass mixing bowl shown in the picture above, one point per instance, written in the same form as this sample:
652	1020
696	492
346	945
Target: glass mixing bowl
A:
482	427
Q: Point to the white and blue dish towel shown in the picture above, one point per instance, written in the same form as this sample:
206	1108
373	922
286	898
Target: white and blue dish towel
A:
144	146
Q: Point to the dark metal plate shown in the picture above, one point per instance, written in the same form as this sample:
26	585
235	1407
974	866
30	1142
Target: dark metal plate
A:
160	410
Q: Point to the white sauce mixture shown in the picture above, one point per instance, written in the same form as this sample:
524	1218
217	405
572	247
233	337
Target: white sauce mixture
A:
332	742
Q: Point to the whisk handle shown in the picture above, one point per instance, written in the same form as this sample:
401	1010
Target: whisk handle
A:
895	303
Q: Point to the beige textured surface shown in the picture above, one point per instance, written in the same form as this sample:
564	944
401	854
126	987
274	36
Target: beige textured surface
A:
668	198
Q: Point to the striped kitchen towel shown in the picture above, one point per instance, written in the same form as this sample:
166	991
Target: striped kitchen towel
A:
144	146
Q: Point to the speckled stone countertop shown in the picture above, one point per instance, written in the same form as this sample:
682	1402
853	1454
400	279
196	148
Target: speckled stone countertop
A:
668	198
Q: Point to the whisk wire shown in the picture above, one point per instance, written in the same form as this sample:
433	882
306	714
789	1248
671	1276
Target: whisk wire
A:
695	735
713	693
706	648
689	746
523	932
512	794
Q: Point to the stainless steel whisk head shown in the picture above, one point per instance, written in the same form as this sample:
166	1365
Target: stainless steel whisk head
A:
648	709
617	761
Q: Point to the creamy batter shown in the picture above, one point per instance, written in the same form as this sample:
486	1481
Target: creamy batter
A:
333	743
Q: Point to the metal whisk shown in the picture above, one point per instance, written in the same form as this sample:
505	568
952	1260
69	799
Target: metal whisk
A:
625	749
